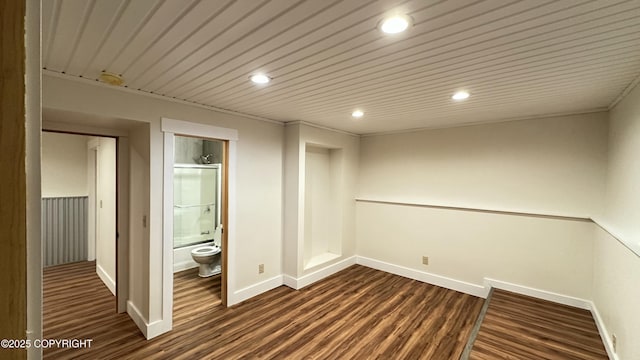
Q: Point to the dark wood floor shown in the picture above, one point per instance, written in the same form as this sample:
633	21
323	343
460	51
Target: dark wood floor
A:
187	286
359	313
521	327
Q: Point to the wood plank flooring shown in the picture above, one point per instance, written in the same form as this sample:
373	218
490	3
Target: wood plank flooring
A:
188	286
359	313
520	327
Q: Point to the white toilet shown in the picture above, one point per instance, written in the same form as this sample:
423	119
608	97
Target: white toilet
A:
209	259
208	256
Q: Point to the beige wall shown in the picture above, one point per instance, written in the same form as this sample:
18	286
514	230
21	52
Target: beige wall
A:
258	187
546	166
555	166
64	165
106	212
344	178
139	215
466	246
552	165
617	263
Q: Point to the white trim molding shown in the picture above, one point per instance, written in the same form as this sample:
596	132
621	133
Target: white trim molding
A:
537	293
149	330
602	330
170	128
137	318
433	279
317	275
106	279
634	247
253	290
197	129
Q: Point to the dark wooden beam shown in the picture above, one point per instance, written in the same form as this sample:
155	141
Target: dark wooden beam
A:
13	199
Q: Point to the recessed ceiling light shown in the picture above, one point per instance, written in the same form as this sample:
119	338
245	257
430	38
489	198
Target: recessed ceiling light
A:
460	95
395	24
357	114
260	79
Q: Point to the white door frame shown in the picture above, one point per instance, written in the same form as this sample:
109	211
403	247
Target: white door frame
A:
92	177
170	128
122	200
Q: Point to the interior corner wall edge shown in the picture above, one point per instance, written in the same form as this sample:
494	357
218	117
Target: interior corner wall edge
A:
259	156
545	166
139	174
297	136
346	181
616	266
547	254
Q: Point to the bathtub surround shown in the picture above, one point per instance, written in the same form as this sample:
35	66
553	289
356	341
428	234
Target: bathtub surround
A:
182	259
196	209
190	150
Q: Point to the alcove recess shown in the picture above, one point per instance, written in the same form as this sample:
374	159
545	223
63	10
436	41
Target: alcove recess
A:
323	208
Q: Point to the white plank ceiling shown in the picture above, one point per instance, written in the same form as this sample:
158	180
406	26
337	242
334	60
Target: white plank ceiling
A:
327	57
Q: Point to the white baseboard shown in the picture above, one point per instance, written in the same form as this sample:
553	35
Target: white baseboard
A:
137	318
290	281
148	330
184	265
253	290
438	280
537	293
602	330
156	328
308	279
106	279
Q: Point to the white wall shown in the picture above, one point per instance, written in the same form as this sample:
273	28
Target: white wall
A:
139	216
551	166
546	166
616	265
106	212
344	178
64	165
321	235
547	254
33	123
259	154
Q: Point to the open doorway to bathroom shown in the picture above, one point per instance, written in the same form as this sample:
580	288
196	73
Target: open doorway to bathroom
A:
79	222
198	224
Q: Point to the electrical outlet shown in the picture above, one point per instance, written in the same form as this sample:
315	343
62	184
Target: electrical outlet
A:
425	260
260	268
614	342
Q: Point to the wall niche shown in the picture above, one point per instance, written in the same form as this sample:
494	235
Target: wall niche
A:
323	207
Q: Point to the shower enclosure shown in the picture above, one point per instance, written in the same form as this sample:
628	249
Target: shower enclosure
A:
196	203
197	197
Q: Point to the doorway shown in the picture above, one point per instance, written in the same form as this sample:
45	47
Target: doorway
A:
79	201
173	129
198	224
79	225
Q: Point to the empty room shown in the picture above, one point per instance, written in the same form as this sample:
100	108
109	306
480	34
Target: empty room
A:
305	179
